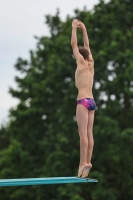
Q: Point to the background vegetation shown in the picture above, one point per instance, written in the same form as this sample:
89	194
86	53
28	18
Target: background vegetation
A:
41	138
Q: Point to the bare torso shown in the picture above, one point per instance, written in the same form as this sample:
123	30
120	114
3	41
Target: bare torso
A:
84	79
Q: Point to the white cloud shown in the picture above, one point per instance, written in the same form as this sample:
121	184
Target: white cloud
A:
20	20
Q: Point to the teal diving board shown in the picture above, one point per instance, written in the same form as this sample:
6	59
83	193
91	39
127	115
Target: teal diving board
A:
43	181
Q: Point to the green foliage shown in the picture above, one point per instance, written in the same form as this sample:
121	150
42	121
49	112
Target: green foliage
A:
41	139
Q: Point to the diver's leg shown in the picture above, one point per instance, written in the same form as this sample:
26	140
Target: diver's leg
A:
90	143
82	121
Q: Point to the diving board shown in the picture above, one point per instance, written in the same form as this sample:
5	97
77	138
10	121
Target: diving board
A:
43	181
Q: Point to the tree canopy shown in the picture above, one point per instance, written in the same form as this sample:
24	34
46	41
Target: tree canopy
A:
41	138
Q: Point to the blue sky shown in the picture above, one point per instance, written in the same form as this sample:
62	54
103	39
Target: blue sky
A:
20	20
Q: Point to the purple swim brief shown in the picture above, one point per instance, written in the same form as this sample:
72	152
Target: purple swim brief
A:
88	103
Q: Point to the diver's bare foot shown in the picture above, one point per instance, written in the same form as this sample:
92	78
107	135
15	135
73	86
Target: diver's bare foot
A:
86	170
81	167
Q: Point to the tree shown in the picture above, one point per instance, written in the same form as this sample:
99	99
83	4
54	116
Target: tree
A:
42	139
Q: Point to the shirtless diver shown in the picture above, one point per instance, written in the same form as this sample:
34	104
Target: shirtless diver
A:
85	102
